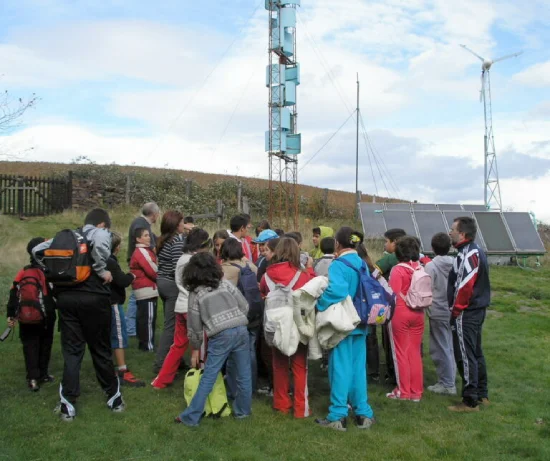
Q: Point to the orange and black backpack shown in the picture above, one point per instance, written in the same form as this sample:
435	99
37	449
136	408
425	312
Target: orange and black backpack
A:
68	261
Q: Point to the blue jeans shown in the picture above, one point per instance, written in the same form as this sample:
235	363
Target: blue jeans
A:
230	372
233	344
131	312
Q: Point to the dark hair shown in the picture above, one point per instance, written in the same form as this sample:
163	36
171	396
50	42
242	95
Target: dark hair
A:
197	239
189	220
262	225
33	243
138	232
297	236
280	232
202	270
441	243
467	226
316	230
237	222
407	249
272	244
327	245
97	216
168	227
247	217
348	238
393	234
231	249
116	240
287	250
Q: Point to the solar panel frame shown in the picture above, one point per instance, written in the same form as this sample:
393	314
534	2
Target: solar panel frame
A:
398	206
372	218
474	207
427	230
519	223
450	216
499	242
449	207
400	219
424	207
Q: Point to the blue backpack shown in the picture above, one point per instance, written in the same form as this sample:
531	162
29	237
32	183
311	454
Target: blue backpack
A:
248	286
372	302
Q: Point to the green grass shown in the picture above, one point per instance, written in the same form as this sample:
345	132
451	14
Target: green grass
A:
516	426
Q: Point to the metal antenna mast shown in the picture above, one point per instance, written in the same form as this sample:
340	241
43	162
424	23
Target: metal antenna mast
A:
282	140
492	195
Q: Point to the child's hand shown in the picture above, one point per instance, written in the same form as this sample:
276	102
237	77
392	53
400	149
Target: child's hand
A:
195	359
309	264
11	322
107	277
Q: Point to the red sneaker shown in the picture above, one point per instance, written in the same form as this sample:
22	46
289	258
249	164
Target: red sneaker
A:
128	379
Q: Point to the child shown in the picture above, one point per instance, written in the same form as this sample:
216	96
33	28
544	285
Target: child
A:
220	309
319	233
322	264
239	230
283	269
304	256
441	338
407	326
144	267
262	225
383	268
218	239
119	335
248	238
188	224
261	240
37	338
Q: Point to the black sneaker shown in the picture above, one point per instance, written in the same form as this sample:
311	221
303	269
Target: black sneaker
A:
362	422
65	413
46	379
117	405
339	425
33	385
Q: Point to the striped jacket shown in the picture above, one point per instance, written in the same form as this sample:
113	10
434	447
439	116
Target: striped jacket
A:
144	266
468	286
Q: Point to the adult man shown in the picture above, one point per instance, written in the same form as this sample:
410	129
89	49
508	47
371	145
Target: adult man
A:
469	295
85	318
150	213
239	230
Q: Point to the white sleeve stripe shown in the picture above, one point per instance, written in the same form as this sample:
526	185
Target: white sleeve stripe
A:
147	257
468	278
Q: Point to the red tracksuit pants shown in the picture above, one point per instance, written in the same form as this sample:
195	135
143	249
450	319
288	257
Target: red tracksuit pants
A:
281	382
406	330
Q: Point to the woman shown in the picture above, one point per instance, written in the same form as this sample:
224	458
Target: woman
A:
407	325
218	239
197	241
285	265
347	361
169	249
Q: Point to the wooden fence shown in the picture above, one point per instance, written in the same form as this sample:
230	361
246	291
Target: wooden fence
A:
32	196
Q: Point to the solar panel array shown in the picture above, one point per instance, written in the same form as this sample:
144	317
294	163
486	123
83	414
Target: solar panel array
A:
498	233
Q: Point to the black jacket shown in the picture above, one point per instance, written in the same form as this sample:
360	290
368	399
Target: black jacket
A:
120	281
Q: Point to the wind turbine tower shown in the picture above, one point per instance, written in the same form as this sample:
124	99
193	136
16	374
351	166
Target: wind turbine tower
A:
492	196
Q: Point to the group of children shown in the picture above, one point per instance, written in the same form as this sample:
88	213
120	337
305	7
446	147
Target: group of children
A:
220	287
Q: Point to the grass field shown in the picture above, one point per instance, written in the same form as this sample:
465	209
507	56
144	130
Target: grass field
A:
516	425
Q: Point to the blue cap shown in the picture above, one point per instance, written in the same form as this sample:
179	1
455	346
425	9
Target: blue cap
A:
266	235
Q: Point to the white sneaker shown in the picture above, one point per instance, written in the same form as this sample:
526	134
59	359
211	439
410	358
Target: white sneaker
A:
439	388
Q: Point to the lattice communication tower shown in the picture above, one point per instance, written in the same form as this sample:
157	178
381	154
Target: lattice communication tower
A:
282	140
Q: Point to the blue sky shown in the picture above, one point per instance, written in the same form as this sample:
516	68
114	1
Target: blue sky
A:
181	83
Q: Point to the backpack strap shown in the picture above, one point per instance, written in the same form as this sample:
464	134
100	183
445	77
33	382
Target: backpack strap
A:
270	283
294	279
351	266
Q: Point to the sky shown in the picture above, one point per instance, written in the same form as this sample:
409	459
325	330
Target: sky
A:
181	84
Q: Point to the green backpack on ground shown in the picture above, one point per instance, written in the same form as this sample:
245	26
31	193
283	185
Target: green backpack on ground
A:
217	405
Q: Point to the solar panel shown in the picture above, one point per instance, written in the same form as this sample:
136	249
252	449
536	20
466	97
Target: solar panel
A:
450	217
449	207
474	207
400	219
398	206
429	223
373	220
523	232
424	207
494	232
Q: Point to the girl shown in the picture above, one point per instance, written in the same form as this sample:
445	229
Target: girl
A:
407	325
285	264
169	250
218	239
197	241
346	367
218	308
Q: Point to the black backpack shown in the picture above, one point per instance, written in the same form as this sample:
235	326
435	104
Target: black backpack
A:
248	286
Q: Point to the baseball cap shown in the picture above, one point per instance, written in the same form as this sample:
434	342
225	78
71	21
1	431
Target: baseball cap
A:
266	235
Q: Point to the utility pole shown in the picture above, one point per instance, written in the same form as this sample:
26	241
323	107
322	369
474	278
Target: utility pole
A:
357	145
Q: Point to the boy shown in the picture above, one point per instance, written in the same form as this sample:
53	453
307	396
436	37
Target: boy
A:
319	233
37	339
304	256
327	247
188	224
144	267
383	269
441	338
239	230
119	335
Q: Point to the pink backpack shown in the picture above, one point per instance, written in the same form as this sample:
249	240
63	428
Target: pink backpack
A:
419	295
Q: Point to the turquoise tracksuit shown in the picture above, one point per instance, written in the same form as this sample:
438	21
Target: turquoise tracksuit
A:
347	361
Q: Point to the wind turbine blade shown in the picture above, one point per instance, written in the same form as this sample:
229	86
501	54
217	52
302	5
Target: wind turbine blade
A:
475	54
507	57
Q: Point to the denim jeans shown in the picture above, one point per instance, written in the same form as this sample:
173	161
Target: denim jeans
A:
230	372
231	343
131	313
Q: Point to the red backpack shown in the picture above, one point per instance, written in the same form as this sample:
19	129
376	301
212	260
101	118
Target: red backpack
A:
31	289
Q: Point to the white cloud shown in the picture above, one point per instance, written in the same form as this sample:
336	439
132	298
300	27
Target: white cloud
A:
537	75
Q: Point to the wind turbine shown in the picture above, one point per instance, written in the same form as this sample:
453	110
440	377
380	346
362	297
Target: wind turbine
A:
492	186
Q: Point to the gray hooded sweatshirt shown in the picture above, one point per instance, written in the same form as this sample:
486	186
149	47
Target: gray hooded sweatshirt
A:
439	269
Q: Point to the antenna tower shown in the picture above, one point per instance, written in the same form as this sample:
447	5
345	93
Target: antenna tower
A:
492	198
282	140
